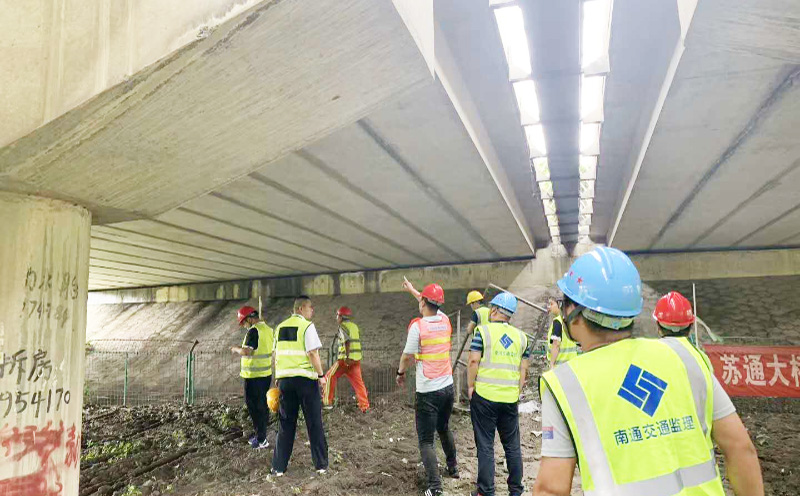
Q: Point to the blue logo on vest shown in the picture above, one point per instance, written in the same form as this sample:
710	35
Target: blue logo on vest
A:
506	341
642	389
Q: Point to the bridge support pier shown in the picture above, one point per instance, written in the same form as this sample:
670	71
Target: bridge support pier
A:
44	271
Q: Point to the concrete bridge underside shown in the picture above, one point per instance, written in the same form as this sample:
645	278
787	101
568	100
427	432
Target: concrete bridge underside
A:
227	146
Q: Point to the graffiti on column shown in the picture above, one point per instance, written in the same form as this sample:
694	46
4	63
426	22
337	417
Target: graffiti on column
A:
38	286
34	445
18	400
28	388
41	443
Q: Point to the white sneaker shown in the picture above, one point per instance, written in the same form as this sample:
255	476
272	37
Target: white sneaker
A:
322	471
263	444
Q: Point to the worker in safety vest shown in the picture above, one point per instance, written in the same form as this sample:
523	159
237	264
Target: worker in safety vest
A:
498	362
256	369
640	416
349	361
675	317
428	343
298	370
560	348
480	312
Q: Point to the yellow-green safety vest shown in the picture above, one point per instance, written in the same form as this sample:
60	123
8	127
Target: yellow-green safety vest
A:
699	350
483	315
291	358
348	332
567	350
498	372
259	364
640	414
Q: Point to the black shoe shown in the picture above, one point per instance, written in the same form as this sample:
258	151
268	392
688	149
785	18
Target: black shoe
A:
433	492
452	472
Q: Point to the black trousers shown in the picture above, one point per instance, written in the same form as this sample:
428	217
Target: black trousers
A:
433	415
296	393
255	397
488	416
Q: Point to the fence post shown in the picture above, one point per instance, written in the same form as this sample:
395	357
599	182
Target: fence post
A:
191	378
186	381
188	388
458	357
125	384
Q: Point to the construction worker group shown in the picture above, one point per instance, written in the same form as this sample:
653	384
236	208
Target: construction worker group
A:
292	354
638	416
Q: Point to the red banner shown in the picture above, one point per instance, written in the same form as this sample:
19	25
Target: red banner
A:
772	371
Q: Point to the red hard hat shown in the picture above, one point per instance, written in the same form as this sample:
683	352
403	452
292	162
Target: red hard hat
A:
673	309
433	293
245	312
344	312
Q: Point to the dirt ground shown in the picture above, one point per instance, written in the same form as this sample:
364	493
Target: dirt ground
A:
774	425
202	450
372	453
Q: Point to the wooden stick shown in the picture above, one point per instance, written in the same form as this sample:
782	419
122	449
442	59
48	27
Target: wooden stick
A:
523	300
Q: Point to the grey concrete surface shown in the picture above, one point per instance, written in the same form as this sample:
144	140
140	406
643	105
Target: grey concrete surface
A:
720	169
249	152
521	274
718	265
220	107
321	210
62	53
43	297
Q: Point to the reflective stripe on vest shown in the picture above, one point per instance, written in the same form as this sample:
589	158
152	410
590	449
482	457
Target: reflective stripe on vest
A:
597	475
498	371
567	349
696	379
259	364
434	347
483	315
291	358
349	332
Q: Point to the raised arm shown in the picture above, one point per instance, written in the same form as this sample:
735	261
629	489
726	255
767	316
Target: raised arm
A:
407	286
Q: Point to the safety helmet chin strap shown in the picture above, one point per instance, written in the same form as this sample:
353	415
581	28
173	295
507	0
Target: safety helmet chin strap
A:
601	319
607	321
673	328
569	318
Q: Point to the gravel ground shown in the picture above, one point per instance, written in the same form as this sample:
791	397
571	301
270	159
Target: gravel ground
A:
373	453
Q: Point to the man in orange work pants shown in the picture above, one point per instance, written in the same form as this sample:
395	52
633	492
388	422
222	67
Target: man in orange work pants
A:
349	362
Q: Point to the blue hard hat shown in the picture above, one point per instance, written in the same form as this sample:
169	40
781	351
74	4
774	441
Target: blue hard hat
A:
606	281
506	301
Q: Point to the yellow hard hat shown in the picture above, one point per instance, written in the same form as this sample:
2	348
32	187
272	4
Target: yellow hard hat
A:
474	296
274	399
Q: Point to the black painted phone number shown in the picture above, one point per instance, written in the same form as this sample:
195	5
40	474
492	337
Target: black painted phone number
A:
22	400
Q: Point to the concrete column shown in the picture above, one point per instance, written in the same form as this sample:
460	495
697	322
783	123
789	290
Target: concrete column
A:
44	271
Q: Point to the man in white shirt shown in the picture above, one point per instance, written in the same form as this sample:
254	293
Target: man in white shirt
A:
299	375
429	343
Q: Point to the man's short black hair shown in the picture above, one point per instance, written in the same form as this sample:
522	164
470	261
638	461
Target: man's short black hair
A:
433	307
299	302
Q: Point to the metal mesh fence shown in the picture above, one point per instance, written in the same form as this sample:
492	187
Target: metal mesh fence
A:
135	372
378	367
150	372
